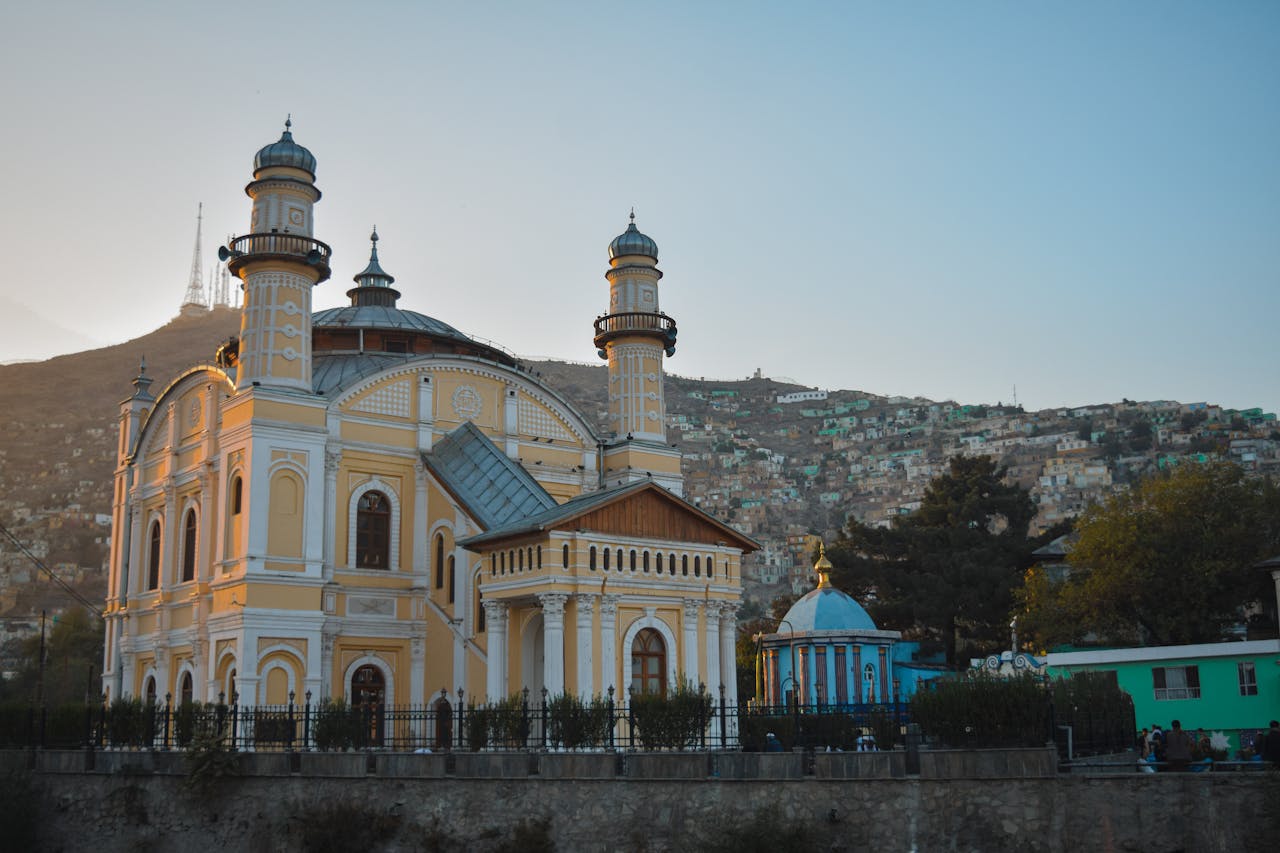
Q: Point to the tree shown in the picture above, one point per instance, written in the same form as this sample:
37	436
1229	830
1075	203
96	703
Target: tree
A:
1166	563
946	572
73	649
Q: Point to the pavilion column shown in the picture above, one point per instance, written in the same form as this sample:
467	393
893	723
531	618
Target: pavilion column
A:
884	674
199	662
729	664
586	607
417	670
420	549
691	607
608	643
327	690
553	641
857	675
713	648
495	617
169	553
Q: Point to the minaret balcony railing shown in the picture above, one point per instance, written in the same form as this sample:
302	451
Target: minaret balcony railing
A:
276	246
612	326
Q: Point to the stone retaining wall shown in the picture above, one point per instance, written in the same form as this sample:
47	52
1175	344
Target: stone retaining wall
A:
413	802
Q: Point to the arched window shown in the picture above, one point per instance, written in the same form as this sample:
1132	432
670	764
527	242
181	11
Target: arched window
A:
149	690
480	617
684	564
189	546
659	567
502	563
633	559
648	663
697	566
373	531
452	579
566	556
185	689
645	562
607	552
591	558
153	556
493	564
620	560
709	566
439	560
539	556
520	557
236	490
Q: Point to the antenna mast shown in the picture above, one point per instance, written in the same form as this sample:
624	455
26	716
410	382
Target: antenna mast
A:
194	302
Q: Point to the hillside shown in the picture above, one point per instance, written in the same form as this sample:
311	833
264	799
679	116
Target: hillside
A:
777	467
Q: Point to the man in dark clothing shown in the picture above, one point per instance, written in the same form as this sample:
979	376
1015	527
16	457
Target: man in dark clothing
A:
1271	745
1177	748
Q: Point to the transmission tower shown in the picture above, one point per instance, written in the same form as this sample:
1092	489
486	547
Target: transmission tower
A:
194	302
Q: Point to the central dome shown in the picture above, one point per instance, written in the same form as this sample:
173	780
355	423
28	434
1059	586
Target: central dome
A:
632	242
827	609
285	152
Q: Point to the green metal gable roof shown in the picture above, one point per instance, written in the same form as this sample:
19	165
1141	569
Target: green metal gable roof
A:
491	486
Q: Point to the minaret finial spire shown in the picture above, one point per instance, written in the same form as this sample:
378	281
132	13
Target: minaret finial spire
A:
288	122
633	214
823	567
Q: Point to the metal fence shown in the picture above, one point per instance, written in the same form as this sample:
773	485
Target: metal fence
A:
698	722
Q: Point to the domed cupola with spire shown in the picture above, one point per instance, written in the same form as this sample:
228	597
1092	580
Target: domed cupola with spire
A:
373	284
633	242
285	152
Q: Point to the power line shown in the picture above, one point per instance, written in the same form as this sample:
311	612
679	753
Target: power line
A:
48	571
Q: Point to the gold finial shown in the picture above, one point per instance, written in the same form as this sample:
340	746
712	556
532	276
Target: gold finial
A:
823	567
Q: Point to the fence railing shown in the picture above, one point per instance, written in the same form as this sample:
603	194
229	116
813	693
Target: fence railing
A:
517	723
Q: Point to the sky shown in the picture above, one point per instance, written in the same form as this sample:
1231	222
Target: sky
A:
942	199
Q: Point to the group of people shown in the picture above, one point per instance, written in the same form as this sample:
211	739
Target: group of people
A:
1176	748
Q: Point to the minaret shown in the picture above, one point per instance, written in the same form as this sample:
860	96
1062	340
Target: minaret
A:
194	302
633	338
279	262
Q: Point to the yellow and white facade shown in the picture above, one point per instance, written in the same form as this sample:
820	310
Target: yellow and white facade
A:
365	503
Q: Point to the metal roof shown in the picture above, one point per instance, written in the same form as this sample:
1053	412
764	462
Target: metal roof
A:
492	487
330	371
384	317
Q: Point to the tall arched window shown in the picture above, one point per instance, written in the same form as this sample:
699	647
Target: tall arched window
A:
591	558
684	564
373	531
452	579
645	561
620	560
659	569
439	560
607	552
480	617
149	690
633	559
697	566
709	566
648	663
566	556
237	487
185	689
153	556
189	546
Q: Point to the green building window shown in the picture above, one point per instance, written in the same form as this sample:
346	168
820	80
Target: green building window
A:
1176	682
1248	678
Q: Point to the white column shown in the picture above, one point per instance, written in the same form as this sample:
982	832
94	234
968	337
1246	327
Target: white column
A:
609	645
729	663
332	459
199	661
169	551
495	617
162	673
133	569
128	673
586	604
421	547
691	607
553	641
313	679
713	649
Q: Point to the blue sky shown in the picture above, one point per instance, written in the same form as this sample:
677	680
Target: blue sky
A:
942	199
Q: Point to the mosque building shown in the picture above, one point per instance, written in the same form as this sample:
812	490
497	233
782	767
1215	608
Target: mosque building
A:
364	503
831	654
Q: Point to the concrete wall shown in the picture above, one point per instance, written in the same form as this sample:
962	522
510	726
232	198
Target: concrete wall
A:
139	809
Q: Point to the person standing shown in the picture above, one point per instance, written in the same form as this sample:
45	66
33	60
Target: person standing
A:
1271	745
1177	747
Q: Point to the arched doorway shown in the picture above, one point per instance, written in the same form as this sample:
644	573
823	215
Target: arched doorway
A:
368	692
444	724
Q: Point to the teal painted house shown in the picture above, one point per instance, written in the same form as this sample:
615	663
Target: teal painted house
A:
1227	687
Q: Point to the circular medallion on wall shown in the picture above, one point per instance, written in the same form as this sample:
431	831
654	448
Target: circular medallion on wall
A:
467	403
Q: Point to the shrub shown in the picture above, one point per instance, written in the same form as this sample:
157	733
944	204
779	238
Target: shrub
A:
209	761
574	723
675	721
131	722
984	711
337	726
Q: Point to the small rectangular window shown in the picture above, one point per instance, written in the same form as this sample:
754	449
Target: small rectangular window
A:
1176	682
1248	678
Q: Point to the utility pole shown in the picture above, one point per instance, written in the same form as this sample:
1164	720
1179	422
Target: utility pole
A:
40	676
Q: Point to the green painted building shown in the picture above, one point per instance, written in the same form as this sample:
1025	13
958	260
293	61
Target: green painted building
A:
1228	687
